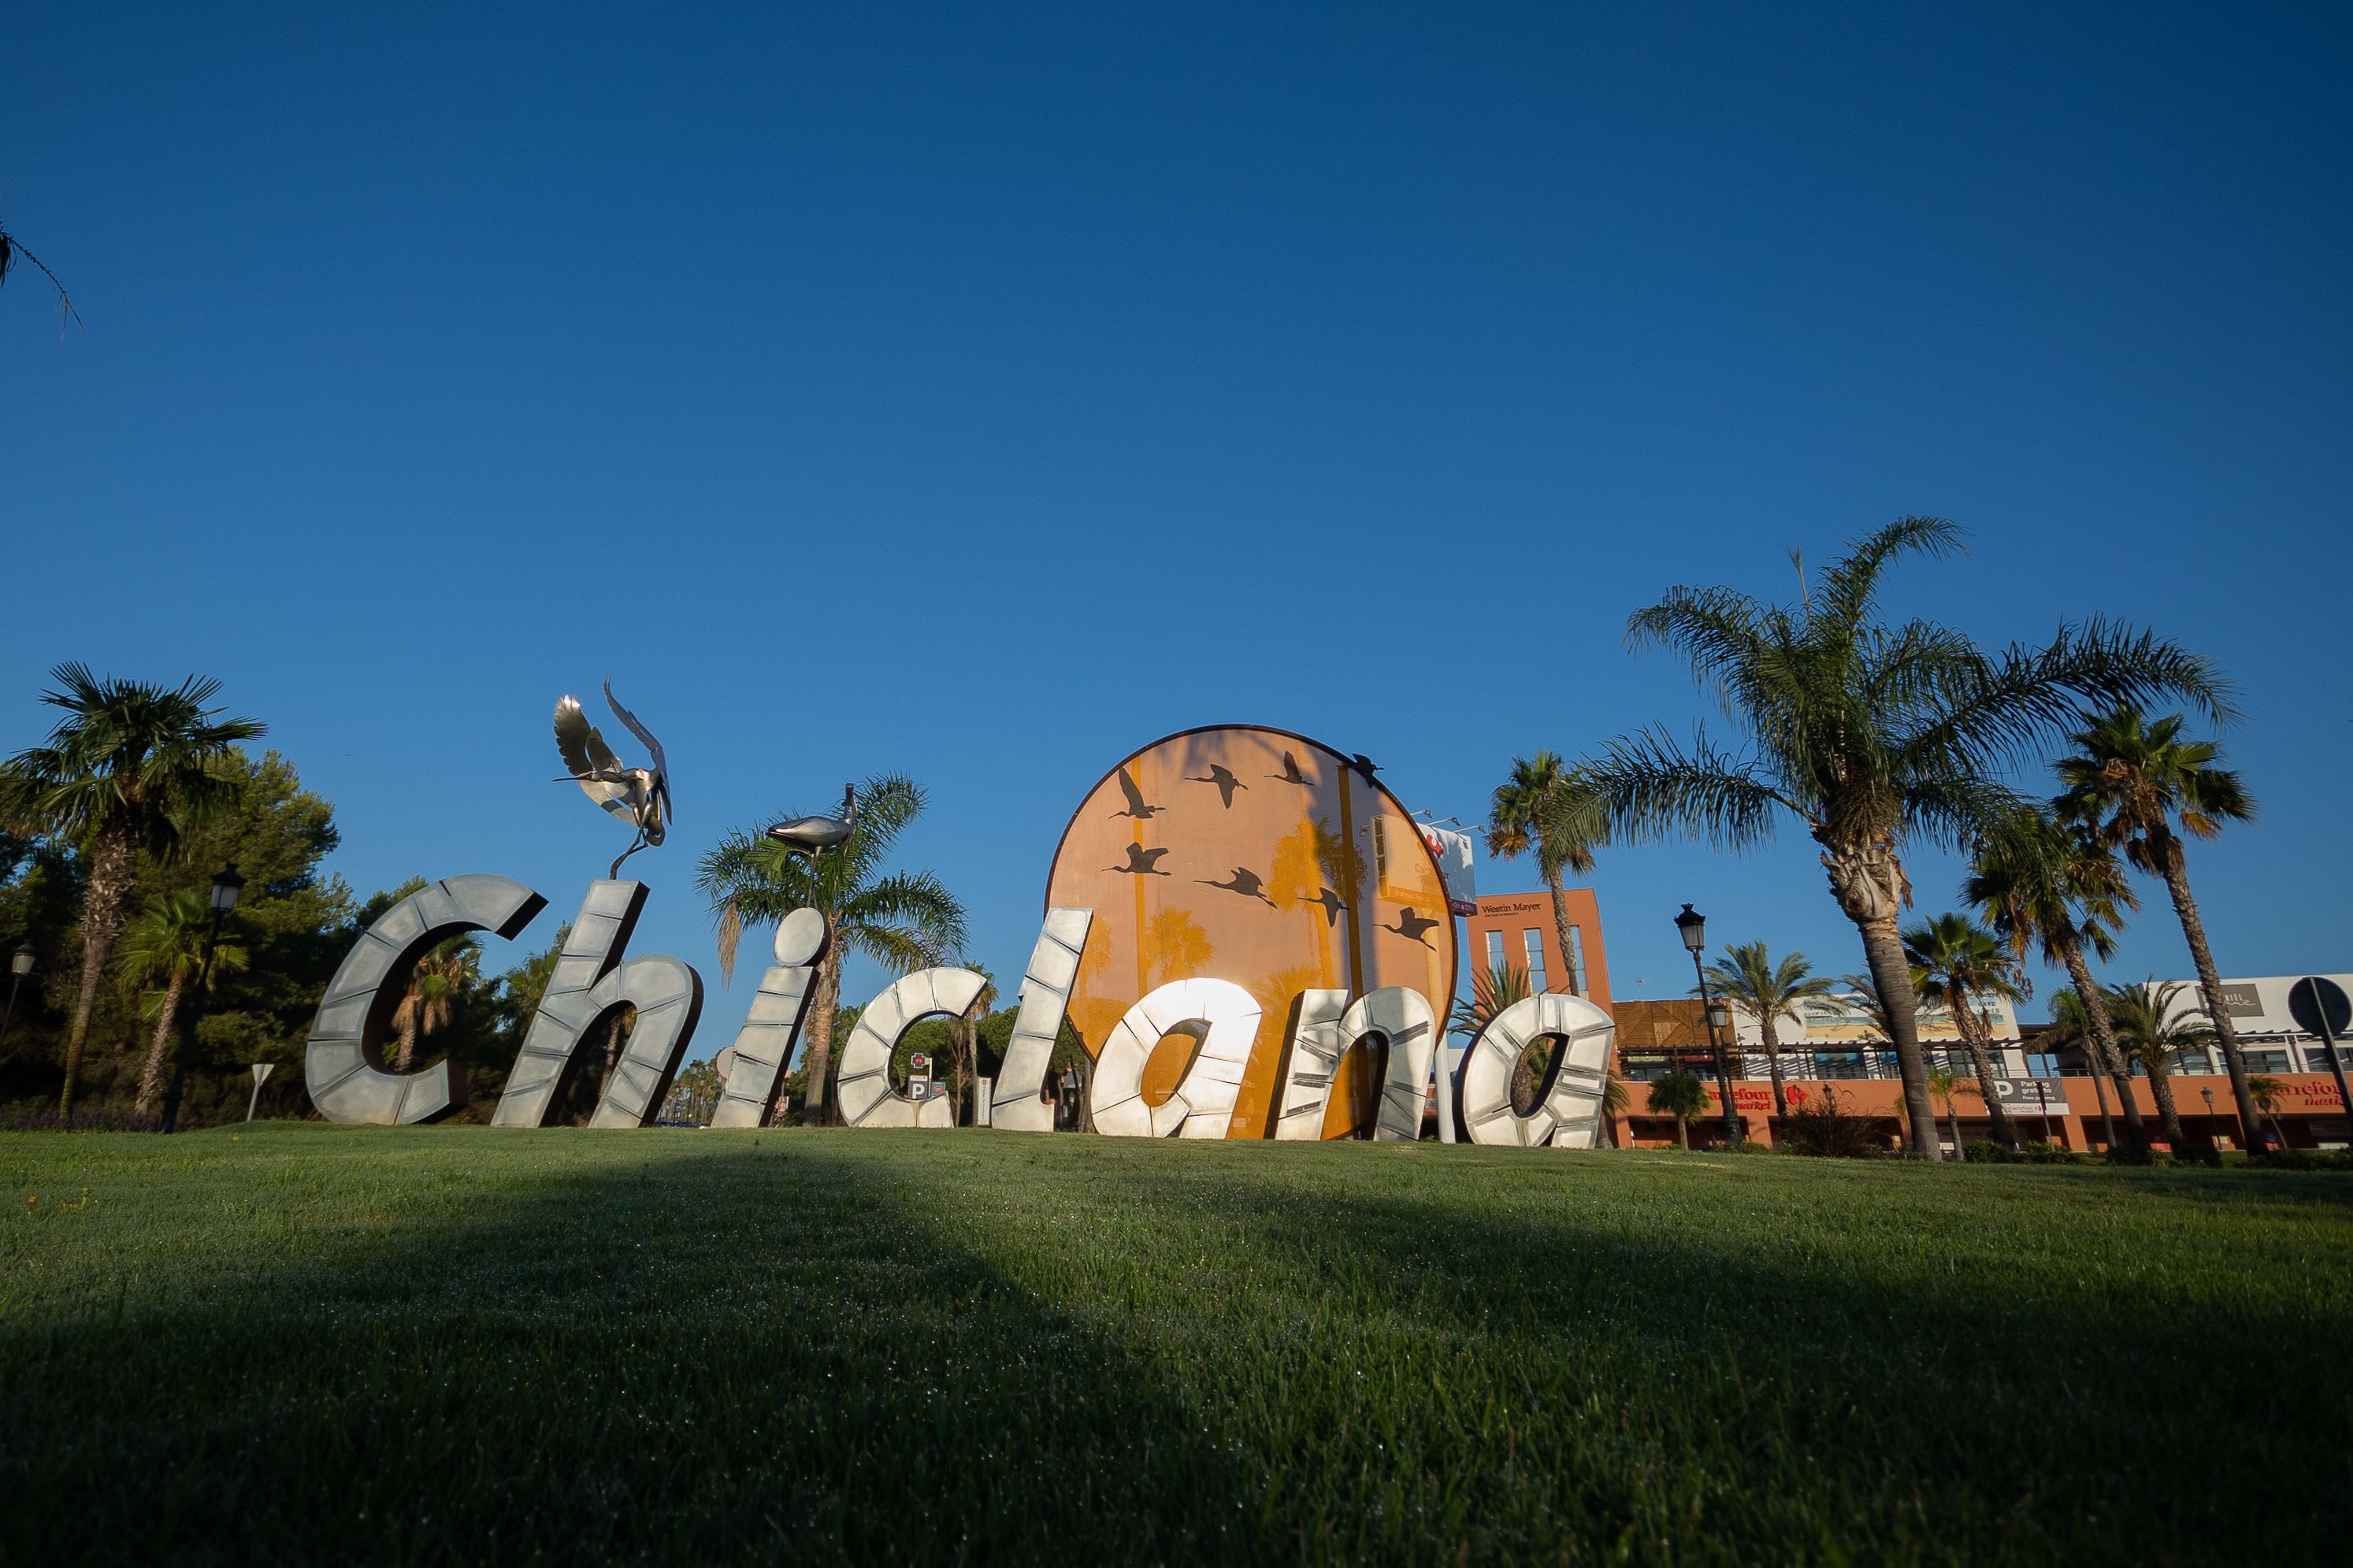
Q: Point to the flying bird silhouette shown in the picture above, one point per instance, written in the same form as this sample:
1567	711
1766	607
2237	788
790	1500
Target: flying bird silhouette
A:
813	835
638	795
1136	806
1412	926
1141	862
1226	781
1246	882
1331	906
1291	773
1365	765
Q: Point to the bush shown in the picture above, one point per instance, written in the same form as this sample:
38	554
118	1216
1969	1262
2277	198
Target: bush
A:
1824	1128
2303	1160
2037	1153
2204	1154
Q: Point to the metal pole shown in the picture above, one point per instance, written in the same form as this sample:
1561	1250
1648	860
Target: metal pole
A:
1723	1071
188	1028
2328	1044
15	982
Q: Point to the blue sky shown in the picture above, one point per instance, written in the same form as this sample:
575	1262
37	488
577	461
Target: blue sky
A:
981	393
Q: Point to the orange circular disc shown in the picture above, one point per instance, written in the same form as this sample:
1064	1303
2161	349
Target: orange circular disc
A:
1262	858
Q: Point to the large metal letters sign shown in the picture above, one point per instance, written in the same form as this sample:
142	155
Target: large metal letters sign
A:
1247	934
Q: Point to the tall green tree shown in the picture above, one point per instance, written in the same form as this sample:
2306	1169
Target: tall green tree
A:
1681	1095
2154	1027
1542	810
2036	881
127	768
161	955
1944	1083
1871	735
1958	966
903	921
1770	993
2139	786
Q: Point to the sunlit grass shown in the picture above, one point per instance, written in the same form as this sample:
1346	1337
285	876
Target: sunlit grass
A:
430	1344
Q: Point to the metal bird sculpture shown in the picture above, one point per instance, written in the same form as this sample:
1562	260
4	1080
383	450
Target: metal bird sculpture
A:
638	795
1141	862
1219	775
1136	806
813	835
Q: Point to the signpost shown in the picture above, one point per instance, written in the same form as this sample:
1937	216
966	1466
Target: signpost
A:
261	1070
2320	1007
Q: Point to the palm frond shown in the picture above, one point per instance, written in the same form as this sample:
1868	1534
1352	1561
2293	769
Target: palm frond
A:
1648	789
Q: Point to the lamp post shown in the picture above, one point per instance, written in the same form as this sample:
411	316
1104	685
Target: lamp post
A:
227	885
20	964
1692	926
2210	1117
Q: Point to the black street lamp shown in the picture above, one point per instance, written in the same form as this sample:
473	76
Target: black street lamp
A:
227	885
20	964
1692	926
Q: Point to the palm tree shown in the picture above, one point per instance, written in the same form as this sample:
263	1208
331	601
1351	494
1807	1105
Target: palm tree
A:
2036	880
2267	1093
1871	735
2071	1025
1492	991
2132	783
1541	807
434	986
1747	977
1957	964
968	1035
905	920
126	769
2151	1033
1682	1096
160	953
1945	1083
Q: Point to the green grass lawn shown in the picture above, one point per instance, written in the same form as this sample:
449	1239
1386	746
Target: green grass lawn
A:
308	1343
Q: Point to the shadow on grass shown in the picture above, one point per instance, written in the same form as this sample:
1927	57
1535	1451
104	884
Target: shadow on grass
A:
926	1347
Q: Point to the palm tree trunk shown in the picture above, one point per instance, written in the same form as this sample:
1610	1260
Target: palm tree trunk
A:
2210	982
817	1061
2161	1083
408	1051
1560	925
1683	1132
1883	952
2104	1044
1953	1119
1981	1059
151	1078
1773	1060
105	907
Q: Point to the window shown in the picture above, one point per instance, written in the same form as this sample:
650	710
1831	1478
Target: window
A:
1381	853
1576	960
1494	951
1533	936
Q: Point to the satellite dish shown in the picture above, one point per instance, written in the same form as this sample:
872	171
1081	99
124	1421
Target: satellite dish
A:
2308	996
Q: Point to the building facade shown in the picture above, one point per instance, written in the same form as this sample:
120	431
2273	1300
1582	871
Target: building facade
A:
1519	932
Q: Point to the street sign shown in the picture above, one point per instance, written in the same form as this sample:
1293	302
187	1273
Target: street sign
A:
920	1062
261	1071
2307	996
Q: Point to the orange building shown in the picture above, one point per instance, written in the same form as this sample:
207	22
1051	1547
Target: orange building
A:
1518	931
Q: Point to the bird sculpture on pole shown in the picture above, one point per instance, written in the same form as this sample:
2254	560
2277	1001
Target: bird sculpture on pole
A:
813	835
638	795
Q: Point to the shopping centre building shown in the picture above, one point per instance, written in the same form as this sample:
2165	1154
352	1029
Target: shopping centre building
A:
1838	1051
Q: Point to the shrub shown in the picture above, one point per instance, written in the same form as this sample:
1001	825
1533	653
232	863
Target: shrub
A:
1822	1127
